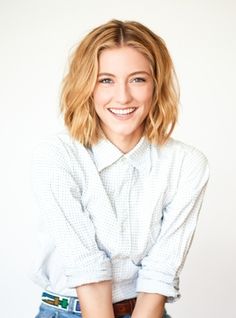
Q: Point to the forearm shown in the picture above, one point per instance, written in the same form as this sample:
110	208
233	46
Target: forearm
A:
96	300
149	306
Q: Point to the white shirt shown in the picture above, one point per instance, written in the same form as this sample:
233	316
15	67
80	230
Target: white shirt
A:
108	215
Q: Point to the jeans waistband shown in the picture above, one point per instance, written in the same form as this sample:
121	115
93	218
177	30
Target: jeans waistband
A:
72	304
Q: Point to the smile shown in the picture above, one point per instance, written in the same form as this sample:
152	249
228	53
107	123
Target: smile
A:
121	111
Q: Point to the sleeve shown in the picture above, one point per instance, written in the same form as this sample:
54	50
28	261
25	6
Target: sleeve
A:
58	198
160	269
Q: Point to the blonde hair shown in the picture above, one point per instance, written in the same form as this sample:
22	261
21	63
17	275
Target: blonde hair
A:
78	85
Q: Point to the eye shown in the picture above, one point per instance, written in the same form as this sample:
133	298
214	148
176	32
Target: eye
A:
138	80
105	81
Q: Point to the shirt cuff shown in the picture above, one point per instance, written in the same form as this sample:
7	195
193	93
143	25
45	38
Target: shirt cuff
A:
92	273
159	283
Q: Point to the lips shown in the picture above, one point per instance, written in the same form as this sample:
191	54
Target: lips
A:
122	111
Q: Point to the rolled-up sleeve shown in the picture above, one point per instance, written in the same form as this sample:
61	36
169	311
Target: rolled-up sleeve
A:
159	272
58	198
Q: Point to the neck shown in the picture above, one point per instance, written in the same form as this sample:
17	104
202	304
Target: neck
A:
125	146
124	143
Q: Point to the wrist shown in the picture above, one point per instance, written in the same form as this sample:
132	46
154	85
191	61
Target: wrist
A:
149	305
96	300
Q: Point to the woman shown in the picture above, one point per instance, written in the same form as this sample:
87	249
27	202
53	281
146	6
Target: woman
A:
118	198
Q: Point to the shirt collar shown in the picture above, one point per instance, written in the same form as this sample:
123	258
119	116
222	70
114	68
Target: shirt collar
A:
140	156
105	154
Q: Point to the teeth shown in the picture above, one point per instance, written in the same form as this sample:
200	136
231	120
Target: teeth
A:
122	111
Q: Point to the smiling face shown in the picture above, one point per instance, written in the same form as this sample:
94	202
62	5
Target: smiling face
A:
123	95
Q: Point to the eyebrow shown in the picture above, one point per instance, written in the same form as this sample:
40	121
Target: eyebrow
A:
131	74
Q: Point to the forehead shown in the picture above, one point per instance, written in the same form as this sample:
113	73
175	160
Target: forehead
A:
125	57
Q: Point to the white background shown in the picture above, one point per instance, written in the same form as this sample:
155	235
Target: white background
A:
35	40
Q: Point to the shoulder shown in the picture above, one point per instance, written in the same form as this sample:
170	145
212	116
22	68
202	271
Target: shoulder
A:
181	160
177	150
58	147
192	162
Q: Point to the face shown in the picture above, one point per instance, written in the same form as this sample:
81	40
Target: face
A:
123	93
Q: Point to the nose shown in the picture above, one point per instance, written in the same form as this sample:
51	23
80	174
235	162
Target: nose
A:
122	93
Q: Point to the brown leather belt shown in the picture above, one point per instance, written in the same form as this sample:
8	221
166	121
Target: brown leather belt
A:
124	307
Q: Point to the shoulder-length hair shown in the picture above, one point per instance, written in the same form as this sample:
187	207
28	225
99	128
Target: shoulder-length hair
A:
79	83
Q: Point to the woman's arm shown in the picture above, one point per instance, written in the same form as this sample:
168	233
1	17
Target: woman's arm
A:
160	268
96	300
149	306
58	198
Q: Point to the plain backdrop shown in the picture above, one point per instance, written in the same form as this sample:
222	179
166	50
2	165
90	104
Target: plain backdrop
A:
36	38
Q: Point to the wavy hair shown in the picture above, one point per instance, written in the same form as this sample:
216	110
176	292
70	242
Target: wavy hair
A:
79	83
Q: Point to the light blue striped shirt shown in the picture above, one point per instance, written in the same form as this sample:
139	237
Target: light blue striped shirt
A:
105	215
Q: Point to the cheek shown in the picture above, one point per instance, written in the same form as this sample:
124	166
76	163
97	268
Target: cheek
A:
101	97
144	94
145	99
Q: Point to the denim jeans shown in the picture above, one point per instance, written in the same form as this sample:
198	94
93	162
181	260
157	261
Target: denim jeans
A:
46	311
